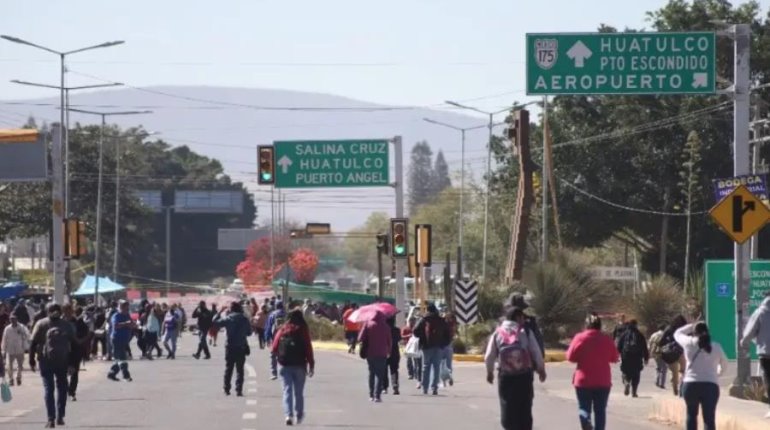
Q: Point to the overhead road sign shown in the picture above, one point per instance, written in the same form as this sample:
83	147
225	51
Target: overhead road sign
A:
621	63
740	214
313	228
214	202
331	163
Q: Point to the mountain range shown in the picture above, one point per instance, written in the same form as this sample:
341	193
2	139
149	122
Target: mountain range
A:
228	123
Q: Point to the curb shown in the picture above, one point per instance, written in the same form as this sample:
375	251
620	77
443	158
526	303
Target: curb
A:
551	356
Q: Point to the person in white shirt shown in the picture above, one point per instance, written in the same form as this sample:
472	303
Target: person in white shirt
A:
14	344
705	362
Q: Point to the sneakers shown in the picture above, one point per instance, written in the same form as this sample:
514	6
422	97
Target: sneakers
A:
435	392
18	381
73	398
377	400
586	425
196	356
50	425
227	392
396	392
60	422
10	382
451	382
274	377
627	390
289	421
300	418
239	393
112	377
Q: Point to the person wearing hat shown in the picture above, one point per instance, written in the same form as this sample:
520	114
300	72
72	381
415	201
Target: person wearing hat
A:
52	341
517	300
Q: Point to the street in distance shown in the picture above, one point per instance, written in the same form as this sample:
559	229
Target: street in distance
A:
336	163
621	63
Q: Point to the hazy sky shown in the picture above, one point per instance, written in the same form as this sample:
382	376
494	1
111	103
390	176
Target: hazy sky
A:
412	52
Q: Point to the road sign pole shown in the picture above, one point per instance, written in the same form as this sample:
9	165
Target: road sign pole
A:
544	182
399	161
741	108
58	214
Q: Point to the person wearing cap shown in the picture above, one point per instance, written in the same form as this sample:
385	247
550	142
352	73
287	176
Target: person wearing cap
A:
274	323
517	300
52	342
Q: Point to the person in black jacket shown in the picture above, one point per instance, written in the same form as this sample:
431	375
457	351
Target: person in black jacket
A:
21	313
517	300
394	360
634	355
205	317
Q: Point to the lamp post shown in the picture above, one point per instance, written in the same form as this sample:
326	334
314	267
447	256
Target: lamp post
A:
490	125
97	250
62	91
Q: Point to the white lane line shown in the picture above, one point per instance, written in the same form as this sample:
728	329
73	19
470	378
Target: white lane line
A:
251	370
251	383
252	390
251	402
250	416
13	414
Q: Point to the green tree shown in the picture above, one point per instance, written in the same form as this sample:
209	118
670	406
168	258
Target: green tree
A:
360	247
441	179
420	176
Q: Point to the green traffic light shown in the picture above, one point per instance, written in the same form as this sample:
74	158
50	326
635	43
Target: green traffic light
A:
399	249
266	176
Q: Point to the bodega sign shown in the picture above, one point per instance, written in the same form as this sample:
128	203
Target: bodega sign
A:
331	163
621	63
757	185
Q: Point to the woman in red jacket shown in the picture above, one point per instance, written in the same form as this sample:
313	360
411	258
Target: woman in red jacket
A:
593	351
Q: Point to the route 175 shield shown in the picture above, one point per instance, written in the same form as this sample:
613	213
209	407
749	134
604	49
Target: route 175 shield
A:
546	52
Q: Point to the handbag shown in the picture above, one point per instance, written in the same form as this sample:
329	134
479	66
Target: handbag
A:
412	349
363	349
5	392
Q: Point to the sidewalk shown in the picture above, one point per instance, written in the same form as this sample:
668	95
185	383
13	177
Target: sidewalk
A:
732	413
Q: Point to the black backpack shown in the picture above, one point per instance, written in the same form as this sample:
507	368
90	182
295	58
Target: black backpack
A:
631	343
436	332
57	347
291	349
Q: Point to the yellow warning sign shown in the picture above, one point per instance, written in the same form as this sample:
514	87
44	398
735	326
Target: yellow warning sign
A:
741	214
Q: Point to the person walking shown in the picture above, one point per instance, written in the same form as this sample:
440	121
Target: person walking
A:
152	331
518	356
673	354
22	313
661	368
758	330
593	352
79	349
352	328
294	351
274	322
448	352
394	359
260	321
122	327
413	363
51	344
433	332
205	318
214	330
238	330
170	330
634	355
376	343
15	341
705	362
620	328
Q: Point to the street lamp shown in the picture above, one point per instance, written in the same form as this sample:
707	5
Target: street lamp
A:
97	252
490	125
66	128
462	168
62	92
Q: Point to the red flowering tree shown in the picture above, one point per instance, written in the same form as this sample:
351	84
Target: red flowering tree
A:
255	269
304	264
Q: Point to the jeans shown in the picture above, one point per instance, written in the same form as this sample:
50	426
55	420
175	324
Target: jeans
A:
593	399
632	376
377	369
697	395
765	363
662	369
261	337
235	356
202	345
293	378
151	343
19	359
431	359
393	363
55	409
516	393
352	339
414	368
447	355
170	336
273	364
120	353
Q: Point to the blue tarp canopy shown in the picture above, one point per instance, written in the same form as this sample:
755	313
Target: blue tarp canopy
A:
12	289
106	286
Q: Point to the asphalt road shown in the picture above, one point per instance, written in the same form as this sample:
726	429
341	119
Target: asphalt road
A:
187	394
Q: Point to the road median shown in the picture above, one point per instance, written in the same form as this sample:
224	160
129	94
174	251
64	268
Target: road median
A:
732	413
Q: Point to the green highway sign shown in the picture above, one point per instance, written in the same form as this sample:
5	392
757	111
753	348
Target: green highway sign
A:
331	163
621	63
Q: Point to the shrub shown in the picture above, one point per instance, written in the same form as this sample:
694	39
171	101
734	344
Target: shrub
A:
476	336
491	299
757	391
660	304
458	346
323	329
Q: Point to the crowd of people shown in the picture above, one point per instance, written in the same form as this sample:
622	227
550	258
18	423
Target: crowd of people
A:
59	338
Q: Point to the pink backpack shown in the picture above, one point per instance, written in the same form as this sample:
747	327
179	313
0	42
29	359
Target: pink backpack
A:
513	353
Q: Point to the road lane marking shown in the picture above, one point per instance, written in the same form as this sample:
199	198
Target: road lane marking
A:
252	390
251	383
250	416
251	402
251	371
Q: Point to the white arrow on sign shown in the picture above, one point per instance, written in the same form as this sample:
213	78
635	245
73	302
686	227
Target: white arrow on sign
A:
285	162
579	52
700	80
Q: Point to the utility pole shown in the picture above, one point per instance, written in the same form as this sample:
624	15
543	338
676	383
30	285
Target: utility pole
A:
57	182
399	186
168	248
544	182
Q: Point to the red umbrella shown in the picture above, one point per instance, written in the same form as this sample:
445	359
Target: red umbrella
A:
368	312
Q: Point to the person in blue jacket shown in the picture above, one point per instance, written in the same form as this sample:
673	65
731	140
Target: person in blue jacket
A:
274	322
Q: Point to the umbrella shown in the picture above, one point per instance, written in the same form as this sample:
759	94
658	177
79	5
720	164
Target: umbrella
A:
368	312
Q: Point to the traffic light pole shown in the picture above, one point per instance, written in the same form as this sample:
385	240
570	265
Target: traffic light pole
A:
380	281
399	161
57	180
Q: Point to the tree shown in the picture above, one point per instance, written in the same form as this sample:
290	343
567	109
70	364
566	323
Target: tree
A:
441	179
360	247
691	189
420	176
256	267
304	264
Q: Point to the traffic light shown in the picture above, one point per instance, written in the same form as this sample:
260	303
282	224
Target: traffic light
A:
399	238
382	243
74	238
423	249
266	165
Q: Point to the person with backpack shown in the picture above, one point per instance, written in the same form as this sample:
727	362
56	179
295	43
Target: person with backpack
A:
673	353
376	343
705	362
394	359
433	332
238	330
517	300
274	322
122	328
661	367
634	355
170	331
758	329
205	318
518	356
52	343
593	352
294	351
